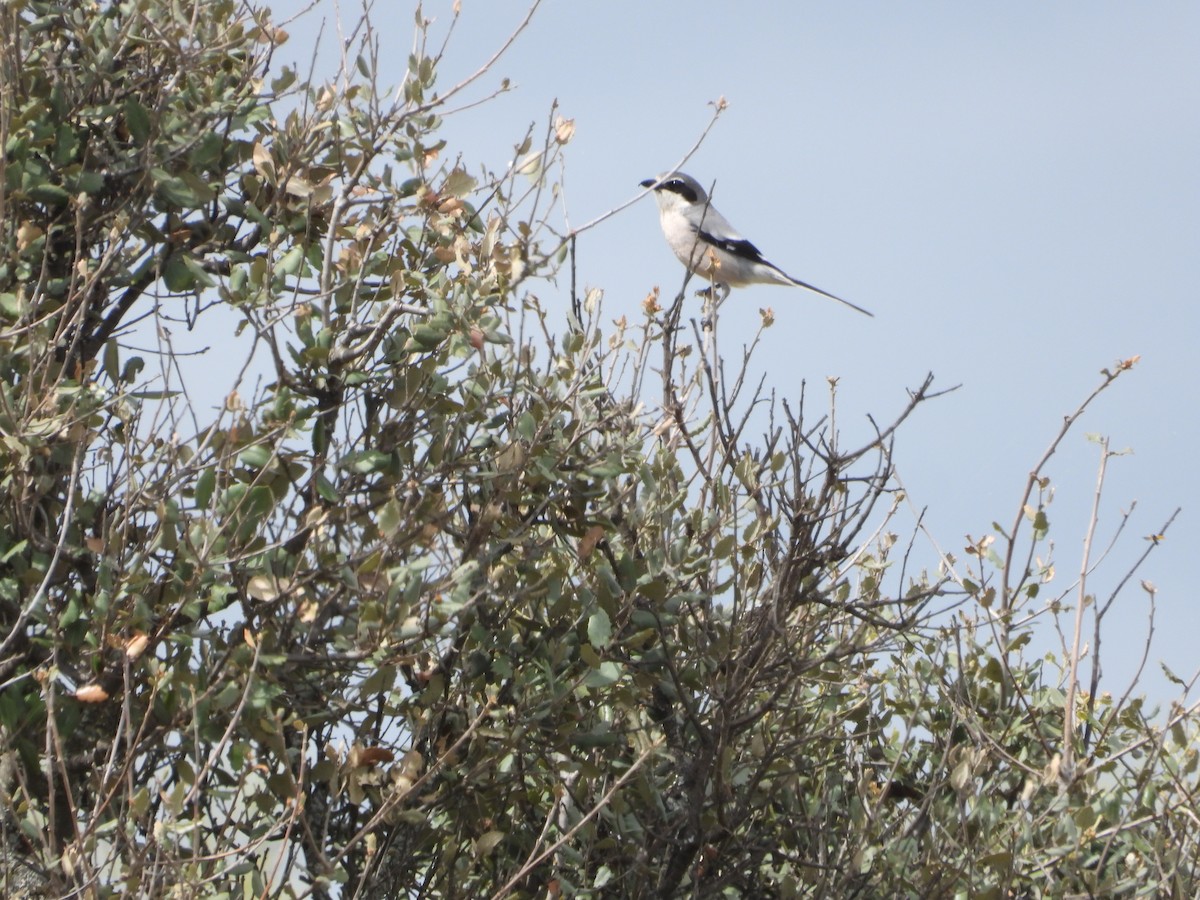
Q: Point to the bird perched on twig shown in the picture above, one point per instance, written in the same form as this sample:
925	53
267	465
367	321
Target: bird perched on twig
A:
705	242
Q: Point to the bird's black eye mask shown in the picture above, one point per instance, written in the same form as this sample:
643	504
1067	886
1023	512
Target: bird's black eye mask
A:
682	188
675	186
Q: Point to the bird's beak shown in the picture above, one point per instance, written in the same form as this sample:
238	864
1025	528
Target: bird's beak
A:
649	182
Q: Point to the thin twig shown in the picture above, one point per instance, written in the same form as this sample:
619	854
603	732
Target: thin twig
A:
1067	768
531	863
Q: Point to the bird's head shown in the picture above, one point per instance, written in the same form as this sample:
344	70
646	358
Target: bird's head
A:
675	190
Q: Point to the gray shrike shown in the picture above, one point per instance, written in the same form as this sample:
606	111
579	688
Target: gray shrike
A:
705	242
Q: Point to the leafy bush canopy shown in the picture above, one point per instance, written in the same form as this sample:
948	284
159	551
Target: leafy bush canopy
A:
473	595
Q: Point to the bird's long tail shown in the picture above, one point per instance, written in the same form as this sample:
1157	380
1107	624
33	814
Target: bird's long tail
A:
816	290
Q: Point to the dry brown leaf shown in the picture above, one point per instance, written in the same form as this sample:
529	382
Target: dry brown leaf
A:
263	163
27	233
564	129
369	756
91	693
589	541
136	645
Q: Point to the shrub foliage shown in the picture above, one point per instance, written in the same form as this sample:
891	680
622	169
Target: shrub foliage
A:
453	592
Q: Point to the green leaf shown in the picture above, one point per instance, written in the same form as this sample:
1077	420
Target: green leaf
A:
50	194
1171	676
111	360
207	151
607	673
389	519
259	502
292	261
137	120
205	483
724	547
487	843
176	275
599	629
71	614
367	461
16	549
199	276
1041	525
256	457
154	395
85	182
285	80
589	656
458	183
428	337
326	489
132	368
65	145
176	191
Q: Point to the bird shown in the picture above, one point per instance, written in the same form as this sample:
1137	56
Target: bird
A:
708	246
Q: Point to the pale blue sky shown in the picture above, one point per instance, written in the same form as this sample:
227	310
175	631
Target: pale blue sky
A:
1013	189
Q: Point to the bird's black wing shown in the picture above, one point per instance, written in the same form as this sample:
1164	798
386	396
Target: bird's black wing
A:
739	247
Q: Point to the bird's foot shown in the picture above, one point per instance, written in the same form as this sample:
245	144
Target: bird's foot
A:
715	293
713	297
